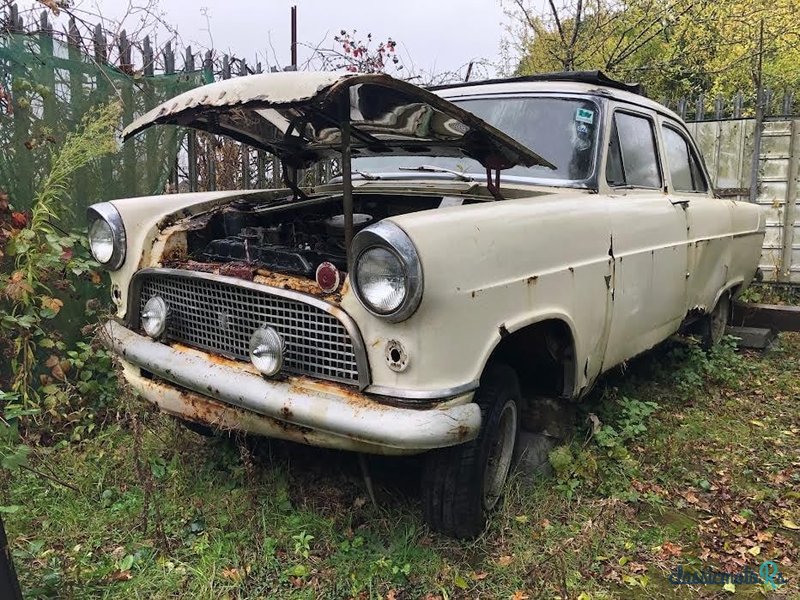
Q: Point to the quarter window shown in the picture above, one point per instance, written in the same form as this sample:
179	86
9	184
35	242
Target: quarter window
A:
684	168
632	155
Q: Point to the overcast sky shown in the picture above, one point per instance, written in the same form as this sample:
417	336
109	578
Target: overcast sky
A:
432	35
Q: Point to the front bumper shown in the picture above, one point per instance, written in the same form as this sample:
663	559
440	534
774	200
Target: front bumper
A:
228	394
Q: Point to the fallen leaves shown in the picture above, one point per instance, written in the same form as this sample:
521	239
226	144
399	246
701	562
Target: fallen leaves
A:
231	573
52	304
668	551
789	524
755	550
505	560
58	367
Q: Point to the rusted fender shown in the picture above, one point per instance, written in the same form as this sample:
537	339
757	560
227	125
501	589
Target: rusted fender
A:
299	401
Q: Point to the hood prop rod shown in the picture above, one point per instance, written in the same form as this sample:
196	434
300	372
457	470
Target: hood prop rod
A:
493	185
290	179
347	180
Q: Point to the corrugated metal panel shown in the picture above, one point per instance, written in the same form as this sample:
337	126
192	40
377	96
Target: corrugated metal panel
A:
727	147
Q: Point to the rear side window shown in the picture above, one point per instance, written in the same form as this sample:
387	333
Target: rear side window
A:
632	155
684	168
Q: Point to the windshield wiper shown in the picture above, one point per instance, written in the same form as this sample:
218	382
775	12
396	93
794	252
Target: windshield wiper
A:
432	169
365	175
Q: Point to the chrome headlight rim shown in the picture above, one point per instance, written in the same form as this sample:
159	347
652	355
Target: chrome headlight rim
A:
158	304
388	236
109	214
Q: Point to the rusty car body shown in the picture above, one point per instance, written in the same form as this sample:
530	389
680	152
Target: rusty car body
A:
601	238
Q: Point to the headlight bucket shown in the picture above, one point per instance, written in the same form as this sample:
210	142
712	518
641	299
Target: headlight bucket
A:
387	242
111	226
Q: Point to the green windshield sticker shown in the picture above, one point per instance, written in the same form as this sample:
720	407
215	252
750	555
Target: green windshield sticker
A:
584	115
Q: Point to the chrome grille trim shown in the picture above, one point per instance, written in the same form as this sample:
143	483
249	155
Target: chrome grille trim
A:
321	339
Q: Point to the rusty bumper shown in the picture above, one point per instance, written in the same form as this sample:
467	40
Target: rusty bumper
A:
231	395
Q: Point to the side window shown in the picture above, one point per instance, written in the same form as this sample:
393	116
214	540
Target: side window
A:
632	155
684	168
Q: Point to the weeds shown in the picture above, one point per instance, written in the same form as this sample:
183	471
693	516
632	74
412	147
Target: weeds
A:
63	384
665	476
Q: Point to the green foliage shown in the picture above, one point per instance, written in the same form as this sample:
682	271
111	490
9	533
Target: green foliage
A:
699	369
675	48
765	293
43	268
604	463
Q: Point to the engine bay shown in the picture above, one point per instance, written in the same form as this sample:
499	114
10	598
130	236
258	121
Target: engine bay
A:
291	236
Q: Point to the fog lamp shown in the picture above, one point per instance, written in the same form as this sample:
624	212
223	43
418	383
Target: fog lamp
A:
154	317
266	350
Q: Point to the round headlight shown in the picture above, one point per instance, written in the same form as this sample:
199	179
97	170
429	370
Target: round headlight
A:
385	272
381	279
266	350
101	241
154	317
106	235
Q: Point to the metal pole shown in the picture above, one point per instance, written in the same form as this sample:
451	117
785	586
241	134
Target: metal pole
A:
347	178
9	586
294	37
789	208
759	125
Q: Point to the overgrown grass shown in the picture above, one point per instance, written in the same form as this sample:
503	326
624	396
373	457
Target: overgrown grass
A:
685	459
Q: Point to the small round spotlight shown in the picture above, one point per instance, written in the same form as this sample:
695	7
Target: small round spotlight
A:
154	317
266	350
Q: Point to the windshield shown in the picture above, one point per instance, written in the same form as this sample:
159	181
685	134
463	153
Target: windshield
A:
563	130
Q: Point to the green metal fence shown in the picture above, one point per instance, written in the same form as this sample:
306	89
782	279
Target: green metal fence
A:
46	86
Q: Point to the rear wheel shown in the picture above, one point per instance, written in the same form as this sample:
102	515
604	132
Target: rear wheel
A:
714	323
462	484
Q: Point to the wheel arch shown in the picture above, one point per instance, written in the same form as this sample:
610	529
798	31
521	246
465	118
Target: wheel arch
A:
732	288
527	346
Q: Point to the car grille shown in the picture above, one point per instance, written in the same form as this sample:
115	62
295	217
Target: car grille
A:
220	317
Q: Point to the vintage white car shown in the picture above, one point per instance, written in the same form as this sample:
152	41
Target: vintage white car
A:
486	245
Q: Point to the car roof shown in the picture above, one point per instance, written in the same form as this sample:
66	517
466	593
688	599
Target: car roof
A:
577	83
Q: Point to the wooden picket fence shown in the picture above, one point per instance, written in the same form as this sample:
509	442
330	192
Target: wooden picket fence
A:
91	60
739	106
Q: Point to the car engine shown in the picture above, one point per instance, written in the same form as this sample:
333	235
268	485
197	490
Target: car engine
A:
288	237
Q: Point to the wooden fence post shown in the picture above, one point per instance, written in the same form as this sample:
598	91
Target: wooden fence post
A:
128	150
169	69
48	73
244	147
700	108
719	107
191	138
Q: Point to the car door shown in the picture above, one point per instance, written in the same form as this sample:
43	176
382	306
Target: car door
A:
648	241
709	219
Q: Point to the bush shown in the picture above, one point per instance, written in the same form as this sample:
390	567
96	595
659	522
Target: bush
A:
43	267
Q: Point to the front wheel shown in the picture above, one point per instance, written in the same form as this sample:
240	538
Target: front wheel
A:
462	484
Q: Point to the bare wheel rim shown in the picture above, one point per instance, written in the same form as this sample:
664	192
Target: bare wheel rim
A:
719	320
501	452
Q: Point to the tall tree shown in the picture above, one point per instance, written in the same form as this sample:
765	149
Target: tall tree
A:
673	46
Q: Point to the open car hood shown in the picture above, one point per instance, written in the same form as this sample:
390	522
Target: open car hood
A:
297	116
